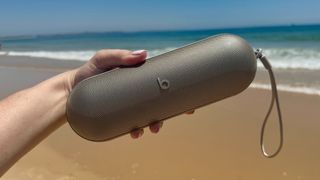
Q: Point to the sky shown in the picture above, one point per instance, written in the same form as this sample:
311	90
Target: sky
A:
29	17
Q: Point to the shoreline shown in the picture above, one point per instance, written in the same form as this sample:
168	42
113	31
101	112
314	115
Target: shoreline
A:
41	63
261	80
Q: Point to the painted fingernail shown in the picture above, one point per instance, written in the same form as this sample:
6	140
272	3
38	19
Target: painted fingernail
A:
157	129
138	52
133	136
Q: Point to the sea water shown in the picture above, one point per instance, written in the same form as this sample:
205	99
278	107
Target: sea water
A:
294	51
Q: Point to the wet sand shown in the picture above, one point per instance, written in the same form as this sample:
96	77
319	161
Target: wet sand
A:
220	141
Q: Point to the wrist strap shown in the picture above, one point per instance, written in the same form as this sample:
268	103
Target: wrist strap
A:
274	98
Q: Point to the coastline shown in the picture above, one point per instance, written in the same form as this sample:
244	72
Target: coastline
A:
294	80
219	141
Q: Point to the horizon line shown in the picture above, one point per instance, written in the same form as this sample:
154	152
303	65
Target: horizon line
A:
163	30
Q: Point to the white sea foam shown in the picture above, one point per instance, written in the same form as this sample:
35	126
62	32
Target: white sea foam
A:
288	88
60	55
293	58
280	58
156	52
70	55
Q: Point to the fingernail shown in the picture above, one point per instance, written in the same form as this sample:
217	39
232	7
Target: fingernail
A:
157	129
138	52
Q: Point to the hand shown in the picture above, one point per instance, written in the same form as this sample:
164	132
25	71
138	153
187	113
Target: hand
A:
105	60
28	117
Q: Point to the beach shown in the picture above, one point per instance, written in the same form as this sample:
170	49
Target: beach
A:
219	141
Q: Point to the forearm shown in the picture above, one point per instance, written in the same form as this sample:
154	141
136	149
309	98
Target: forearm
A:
29	116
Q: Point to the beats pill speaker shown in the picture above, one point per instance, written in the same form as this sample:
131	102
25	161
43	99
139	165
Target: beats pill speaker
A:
116	102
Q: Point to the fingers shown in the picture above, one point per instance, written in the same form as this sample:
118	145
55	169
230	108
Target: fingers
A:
190	112
136	133
110	58
154	128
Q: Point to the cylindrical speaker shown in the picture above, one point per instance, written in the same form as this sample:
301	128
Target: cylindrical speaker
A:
116	102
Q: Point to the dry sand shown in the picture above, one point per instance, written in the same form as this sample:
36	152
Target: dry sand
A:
220	141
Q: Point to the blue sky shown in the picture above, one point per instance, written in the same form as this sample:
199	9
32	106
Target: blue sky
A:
18	17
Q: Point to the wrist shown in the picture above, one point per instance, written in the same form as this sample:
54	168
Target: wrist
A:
68	80
56	91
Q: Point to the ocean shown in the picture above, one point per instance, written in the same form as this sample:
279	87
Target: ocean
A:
294	51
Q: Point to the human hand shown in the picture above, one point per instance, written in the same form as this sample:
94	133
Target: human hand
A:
105	60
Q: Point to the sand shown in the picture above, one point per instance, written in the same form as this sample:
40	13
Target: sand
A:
220	141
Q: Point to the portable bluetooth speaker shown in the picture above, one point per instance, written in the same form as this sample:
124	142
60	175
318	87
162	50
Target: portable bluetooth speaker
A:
116	102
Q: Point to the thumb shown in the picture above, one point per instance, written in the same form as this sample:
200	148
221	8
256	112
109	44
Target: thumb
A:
108	59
